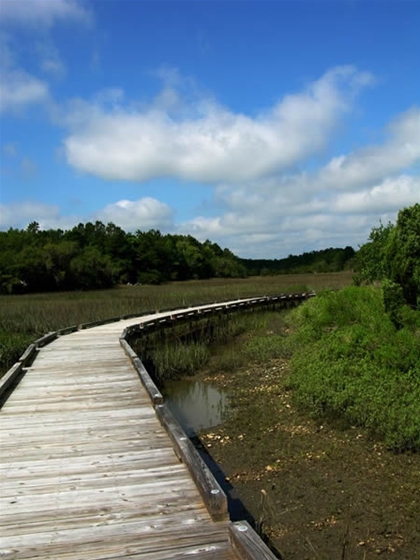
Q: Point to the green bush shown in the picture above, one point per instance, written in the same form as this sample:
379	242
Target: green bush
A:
351	362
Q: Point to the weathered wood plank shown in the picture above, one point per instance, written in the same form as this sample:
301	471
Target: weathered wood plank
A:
10	377
247	543
153	392
45	339
210	490
89	471
28	355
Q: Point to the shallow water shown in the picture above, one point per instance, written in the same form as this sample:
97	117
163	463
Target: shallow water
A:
196	405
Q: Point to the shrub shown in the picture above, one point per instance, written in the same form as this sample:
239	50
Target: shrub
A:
351	362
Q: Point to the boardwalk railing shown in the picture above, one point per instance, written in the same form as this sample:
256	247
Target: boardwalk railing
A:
245	542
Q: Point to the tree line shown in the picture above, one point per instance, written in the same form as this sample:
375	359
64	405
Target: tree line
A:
95	255
325	260
98	255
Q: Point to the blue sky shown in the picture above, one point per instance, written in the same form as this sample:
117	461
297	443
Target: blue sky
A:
269	127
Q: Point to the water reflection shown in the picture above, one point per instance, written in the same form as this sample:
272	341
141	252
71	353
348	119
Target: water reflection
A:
195	405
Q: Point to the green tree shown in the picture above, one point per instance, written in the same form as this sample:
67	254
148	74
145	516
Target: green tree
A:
371	262
91	269
402	254
393	253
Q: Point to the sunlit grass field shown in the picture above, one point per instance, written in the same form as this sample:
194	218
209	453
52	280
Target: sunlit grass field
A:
26	317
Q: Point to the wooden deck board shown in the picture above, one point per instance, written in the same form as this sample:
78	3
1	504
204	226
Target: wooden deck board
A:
87	471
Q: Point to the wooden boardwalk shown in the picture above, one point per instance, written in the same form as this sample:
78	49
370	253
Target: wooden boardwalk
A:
87	470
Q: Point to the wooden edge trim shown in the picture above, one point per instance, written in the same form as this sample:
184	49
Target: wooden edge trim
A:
185	314
68	330
154	394
27	355
45	339
10	377
213	496
247	544
139	314
98	323
127	348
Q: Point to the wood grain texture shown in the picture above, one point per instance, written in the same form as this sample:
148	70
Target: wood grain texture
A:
88	472
247	543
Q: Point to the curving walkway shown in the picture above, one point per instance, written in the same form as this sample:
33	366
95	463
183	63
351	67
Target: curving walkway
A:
87	469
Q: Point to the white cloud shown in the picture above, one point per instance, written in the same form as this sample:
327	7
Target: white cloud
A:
144	214
336	205
258	237
20	214
19	89
43	13
391	194
203	141
401	150
276	223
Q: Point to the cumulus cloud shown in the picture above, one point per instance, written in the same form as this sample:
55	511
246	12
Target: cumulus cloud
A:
391	194
43	13
270	225
337	204
400	150
203	141
20	214
144	214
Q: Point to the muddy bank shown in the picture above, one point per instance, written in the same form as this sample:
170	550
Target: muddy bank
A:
315	490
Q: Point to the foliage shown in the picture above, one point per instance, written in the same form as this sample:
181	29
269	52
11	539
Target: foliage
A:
370	261
402	254
97	256
393	301
326	260
393	253
351	362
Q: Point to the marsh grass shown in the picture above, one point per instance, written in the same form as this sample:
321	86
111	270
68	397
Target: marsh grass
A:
183	350
24	318
172	361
